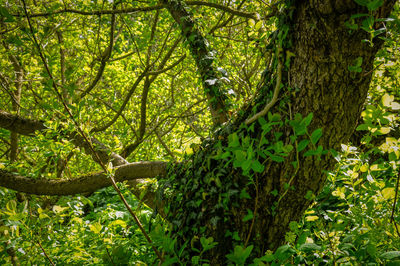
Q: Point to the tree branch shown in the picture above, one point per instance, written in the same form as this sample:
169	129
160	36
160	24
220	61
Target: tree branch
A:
268	106
144	9
23	126
84	184
27	127
104	58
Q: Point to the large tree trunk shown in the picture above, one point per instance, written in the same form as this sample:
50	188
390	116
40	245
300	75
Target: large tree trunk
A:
323	50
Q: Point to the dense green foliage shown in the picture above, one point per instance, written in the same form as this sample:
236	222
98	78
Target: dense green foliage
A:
354	220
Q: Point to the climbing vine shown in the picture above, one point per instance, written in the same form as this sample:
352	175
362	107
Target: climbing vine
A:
210	187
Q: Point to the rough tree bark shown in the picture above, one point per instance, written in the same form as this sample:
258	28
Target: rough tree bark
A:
323	48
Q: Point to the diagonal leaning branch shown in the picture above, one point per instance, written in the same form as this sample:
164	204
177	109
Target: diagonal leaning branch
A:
204	58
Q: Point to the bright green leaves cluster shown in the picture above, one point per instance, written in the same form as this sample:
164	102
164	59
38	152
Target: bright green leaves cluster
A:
370	4
367	22
244	155
251	154
379	120
70	233
240	255
356	67
206	244
299	125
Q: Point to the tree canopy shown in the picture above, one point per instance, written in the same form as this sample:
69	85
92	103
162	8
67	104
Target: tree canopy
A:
199	132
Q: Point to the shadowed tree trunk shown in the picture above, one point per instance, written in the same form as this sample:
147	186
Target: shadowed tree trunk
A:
248	181
320	81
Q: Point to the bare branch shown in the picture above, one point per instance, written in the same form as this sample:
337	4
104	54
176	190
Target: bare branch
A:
84	184
105	57
96	12
268	106
126	100
224	8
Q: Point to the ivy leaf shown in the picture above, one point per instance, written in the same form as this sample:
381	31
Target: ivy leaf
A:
240	254
374	5
257	167
248	216
307	120
302	145
316	135
233	140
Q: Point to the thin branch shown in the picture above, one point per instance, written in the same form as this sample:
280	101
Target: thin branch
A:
223	24
274	98
144	9
157	72
126	100
122	57
105	57
168	150
45	254
27	127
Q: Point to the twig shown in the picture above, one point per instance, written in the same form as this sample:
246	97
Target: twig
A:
274	98
254	214
144	9
394	205
45	254
105	57
108	254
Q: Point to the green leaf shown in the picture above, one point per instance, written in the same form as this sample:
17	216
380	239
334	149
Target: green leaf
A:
357	65
307	120
248	216
362	127
246	165
244	194
316	135
262	121
283	252
275	158
4	13
240	156
257	167
390	255
233	140
207	243
302	145
318	151
306	247
374	4
240	254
